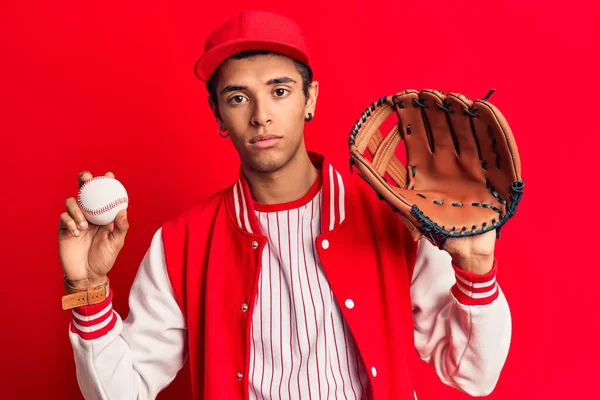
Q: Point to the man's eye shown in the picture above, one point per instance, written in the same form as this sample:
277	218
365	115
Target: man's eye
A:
237	99
280	92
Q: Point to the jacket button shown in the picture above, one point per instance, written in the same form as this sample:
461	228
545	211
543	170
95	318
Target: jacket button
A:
255	244
239	376
374	371
349	304
244	307
325	244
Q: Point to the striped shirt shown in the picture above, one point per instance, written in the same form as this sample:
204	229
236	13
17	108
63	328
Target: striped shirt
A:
301	345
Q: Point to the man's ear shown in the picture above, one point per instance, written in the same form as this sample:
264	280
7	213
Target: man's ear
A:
215	109
311	102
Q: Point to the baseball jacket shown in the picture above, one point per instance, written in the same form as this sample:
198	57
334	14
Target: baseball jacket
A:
193	297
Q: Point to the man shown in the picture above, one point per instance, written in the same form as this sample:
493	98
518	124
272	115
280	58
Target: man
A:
295	282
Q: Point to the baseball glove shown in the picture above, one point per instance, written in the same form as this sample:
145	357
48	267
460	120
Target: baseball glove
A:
463	173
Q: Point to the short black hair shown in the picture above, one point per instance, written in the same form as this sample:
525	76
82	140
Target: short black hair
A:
304	70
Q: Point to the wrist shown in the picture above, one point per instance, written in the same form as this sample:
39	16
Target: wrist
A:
480	265
90	293
82	284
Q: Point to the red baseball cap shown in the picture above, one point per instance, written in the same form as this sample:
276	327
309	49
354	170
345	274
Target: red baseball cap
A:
251	30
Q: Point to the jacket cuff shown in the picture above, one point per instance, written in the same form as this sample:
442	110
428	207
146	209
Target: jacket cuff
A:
473	289
95	321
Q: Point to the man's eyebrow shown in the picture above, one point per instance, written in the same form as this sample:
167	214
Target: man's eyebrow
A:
278	81
232	88
270	82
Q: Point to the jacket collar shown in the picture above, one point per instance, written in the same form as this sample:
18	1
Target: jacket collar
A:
334	204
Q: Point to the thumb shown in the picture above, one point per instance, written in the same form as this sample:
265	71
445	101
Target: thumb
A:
121	226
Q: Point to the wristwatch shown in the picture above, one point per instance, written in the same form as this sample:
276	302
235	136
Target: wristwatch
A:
83	297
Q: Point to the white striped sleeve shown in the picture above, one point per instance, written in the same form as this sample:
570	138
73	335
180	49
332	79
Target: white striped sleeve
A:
92	322
462	322
136	357
475	290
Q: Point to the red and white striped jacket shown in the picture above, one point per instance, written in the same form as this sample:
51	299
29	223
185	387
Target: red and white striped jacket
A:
324	297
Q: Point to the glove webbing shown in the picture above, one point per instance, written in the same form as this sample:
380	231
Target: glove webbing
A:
382	149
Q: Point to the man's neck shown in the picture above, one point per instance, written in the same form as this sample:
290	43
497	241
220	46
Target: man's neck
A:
289	183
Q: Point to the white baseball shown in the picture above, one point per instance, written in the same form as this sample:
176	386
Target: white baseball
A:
101	198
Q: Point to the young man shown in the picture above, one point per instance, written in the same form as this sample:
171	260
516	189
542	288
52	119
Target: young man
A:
295	282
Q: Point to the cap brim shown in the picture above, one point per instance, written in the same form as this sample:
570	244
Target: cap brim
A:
209	61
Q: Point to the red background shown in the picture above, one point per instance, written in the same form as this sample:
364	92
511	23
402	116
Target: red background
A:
109	87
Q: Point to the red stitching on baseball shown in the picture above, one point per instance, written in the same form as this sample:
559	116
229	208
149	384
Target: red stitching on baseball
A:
106	208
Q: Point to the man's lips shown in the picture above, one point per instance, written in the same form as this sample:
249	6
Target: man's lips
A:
263	137
264	141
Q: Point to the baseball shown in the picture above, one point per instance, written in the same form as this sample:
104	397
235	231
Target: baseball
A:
101	198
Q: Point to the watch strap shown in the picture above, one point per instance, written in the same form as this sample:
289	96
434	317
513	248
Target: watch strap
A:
84	297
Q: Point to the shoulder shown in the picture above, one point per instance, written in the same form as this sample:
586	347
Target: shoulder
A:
204	209
192	225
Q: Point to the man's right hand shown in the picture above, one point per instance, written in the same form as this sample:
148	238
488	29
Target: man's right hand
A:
87	251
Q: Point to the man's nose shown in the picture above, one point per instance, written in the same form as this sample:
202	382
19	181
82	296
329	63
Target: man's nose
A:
261	115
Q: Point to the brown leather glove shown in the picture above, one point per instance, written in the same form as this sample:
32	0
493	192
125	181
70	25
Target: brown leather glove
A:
463	173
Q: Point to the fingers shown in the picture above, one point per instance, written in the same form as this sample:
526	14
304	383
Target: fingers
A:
497	141
76	213
451	128
436	118
121	221
85	176
121	226
73	219
462	125
412	128
498	148
67	223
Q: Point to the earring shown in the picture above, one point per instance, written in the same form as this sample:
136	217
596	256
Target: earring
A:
222	130
310	117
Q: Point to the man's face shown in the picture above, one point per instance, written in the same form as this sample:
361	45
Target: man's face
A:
262	105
